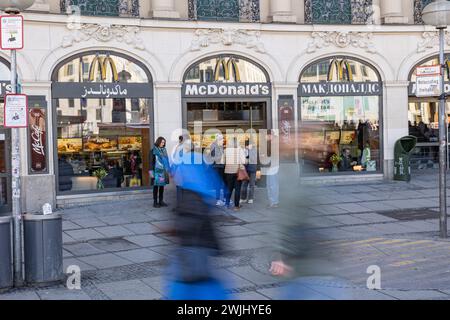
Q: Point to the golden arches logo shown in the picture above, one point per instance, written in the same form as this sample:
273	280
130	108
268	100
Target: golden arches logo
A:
101	64
228	67
342	69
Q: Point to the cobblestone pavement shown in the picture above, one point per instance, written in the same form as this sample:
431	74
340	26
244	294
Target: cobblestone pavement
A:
122	250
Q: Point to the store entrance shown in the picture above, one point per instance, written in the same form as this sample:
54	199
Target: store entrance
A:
225	115
5	172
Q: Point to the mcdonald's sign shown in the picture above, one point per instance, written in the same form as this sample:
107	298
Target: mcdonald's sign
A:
100	64
341	69
228	67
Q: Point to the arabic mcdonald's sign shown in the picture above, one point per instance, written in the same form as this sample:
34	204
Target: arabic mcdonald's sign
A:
228	67
340	69
100	64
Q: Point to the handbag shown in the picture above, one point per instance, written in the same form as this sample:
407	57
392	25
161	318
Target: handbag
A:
242	174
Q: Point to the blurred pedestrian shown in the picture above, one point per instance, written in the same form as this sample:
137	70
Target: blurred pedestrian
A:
248	186
160	169
218	160
191	276
273	184
234	160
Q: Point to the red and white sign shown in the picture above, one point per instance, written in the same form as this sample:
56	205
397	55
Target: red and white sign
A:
11	32
428	82
16	111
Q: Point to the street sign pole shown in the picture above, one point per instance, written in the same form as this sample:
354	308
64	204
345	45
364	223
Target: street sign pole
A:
16	201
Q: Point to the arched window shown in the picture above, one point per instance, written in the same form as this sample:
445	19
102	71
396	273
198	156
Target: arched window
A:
224	10
339	69
102	7
226	68
102	67
340	112
103	106
338	11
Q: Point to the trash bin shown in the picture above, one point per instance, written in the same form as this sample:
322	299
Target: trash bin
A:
43	248
6	276
402	152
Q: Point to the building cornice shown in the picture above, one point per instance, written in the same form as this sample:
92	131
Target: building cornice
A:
49	18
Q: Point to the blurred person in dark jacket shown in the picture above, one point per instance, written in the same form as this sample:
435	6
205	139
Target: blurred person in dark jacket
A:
191	274
65	173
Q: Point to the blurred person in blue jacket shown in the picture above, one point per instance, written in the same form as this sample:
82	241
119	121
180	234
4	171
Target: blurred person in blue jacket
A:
191	276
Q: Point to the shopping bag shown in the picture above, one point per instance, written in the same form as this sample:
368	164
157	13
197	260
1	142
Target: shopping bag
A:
242	174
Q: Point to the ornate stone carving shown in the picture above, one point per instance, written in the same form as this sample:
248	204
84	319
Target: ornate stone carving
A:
205	37
104	33
431	40
418	7
341	40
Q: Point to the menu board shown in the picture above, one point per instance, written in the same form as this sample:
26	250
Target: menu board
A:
130	143
347	137
332	137
311	138
99	144
70	145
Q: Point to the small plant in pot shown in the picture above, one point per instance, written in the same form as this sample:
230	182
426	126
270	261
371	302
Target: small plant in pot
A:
100	174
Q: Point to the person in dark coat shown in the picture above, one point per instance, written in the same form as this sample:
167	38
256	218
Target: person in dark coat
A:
248	186
65	173
115	177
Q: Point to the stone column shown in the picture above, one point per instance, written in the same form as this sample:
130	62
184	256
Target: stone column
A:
164	9
392	12
41	6
281	11
395	120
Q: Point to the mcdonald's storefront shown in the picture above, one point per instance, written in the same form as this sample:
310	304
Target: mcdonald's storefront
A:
340	128
225	92
102	123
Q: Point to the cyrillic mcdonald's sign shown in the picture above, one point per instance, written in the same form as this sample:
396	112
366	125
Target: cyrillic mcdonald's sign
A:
100	64
340	69
228	67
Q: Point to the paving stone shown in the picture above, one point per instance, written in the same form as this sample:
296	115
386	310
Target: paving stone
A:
347	219
128	290
68	225
299	293
141	255
373	217
237	230
76	262
62	294
141	228
350	293
329	209
232	280
104	261
82	249
114	231
352	207
147	240
415	294
378	206
156	283
67	254
113	245
115	220
250	274
243	243
67	239
89	223
20	295
84	234
252	295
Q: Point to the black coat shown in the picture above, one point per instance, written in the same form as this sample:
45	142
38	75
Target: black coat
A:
65	173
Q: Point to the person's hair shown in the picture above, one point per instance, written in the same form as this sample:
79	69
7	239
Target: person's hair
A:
180	139
158	141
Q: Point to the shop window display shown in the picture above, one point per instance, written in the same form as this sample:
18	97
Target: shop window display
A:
103	142
339	128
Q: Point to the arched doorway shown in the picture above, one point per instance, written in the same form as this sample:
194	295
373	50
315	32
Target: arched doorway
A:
423	116
340	101
103	123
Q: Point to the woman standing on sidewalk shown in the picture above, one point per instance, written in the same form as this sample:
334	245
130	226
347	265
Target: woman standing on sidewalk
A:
234	160
160	169
248	186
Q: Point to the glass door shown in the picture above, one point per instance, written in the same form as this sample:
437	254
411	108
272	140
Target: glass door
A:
5	172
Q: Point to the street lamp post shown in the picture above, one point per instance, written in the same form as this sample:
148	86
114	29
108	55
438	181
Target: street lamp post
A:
15	7
437	14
